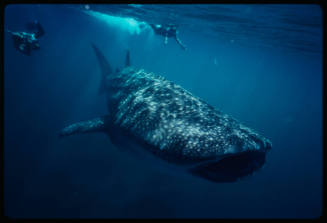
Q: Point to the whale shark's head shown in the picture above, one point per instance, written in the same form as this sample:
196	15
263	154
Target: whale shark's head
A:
241	159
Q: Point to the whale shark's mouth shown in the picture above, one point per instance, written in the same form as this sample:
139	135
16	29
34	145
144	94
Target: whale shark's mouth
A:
231	168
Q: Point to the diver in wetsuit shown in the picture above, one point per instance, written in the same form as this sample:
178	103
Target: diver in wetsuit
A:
169	30
24	41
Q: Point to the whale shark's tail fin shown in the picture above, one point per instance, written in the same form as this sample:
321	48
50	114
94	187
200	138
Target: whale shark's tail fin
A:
104	66
127	59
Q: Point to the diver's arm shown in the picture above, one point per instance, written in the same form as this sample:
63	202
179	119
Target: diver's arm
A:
13	33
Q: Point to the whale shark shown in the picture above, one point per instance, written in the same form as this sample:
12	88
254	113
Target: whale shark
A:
164	122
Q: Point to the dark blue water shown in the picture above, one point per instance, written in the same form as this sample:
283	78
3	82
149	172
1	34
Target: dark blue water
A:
261	64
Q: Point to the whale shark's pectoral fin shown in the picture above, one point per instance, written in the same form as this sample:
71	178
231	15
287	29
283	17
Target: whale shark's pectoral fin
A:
94	125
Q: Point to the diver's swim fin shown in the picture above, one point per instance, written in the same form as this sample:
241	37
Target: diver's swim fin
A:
104	66
94	125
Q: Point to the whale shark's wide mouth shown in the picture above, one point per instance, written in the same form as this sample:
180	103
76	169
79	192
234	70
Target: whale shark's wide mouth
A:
231	168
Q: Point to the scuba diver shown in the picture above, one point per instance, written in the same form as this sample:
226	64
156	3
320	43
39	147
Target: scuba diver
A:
25	42
169	30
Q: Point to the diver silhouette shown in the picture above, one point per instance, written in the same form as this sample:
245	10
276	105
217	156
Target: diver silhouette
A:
25	42
167	31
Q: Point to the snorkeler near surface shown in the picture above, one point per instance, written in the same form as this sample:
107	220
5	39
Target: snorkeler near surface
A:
169	30
24	41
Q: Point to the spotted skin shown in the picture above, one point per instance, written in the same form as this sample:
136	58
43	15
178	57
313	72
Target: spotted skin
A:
172	120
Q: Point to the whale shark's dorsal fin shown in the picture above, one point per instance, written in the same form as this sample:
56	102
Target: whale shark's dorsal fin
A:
93	125
127	59
104	66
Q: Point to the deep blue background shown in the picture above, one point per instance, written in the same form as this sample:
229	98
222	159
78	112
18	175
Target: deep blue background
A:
273	89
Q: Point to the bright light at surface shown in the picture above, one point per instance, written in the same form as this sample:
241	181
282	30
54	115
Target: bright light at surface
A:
135	5
125	24
131	22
